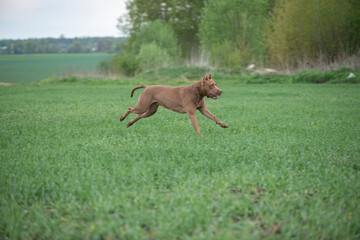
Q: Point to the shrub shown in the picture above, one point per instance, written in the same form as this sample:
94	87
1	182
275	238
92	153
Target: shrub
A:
104	66
151	56
126	64
231	55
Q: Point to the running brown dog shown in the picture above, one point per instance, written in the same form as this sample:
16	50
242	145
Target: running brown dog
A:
184	99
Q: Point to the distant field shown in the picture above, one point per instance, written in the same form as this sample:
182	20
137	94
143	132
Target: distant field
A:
288	166
29	68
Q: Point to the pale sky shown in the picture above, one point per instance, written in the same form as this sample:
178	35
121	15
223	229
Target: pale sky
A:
22	19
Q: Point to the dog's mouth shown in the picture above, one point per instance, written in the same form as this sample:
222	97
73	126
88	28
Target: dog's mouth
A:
213	96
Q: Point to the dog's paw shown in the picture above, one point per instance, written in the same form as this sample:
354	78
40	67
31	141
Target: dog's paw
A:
223	125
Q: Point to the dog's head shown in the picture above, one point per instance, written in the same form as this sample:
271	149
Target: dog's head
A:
209	87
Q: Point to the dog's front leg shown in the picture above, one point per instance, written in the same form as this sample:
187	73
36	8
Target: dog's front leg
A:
192	117
208	114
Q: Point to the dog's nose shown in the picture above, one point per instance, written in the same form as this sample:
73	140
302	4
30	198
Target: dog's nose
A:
220	91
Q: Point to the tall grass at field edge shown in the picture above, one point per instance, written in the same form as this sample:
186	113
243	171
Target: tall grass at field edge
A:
186	75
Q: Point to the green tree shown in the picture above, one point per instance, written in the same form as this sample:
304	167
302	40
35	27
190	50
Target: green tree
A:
76	47
100	46
233	31
159	33
30	46
19	47
306	32
182	16
52	48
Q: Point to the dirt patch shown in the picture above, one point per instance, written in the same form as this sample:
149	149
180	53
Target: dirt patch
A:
6	84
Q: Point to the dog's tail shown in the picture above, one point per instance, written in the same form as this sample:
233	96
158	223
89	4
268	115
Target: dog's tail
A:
137	87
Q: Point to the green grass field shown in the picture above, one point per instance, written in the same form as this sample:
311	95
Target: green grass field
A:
288	166
29	68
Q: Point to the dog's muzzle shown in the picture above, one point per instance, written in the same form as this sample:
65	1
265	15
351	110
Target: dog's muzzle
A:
215	96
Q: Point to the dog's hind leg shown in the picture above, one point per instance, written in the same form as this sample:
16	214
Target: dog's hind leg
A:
151	111
143	104
138	110
128	111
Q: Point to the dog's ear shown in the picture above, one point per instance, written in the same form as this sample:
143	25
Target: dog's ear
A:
210	76
205	78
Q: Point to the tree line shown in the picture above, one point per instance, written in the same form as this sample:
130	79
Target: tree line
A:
61	45
235	33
